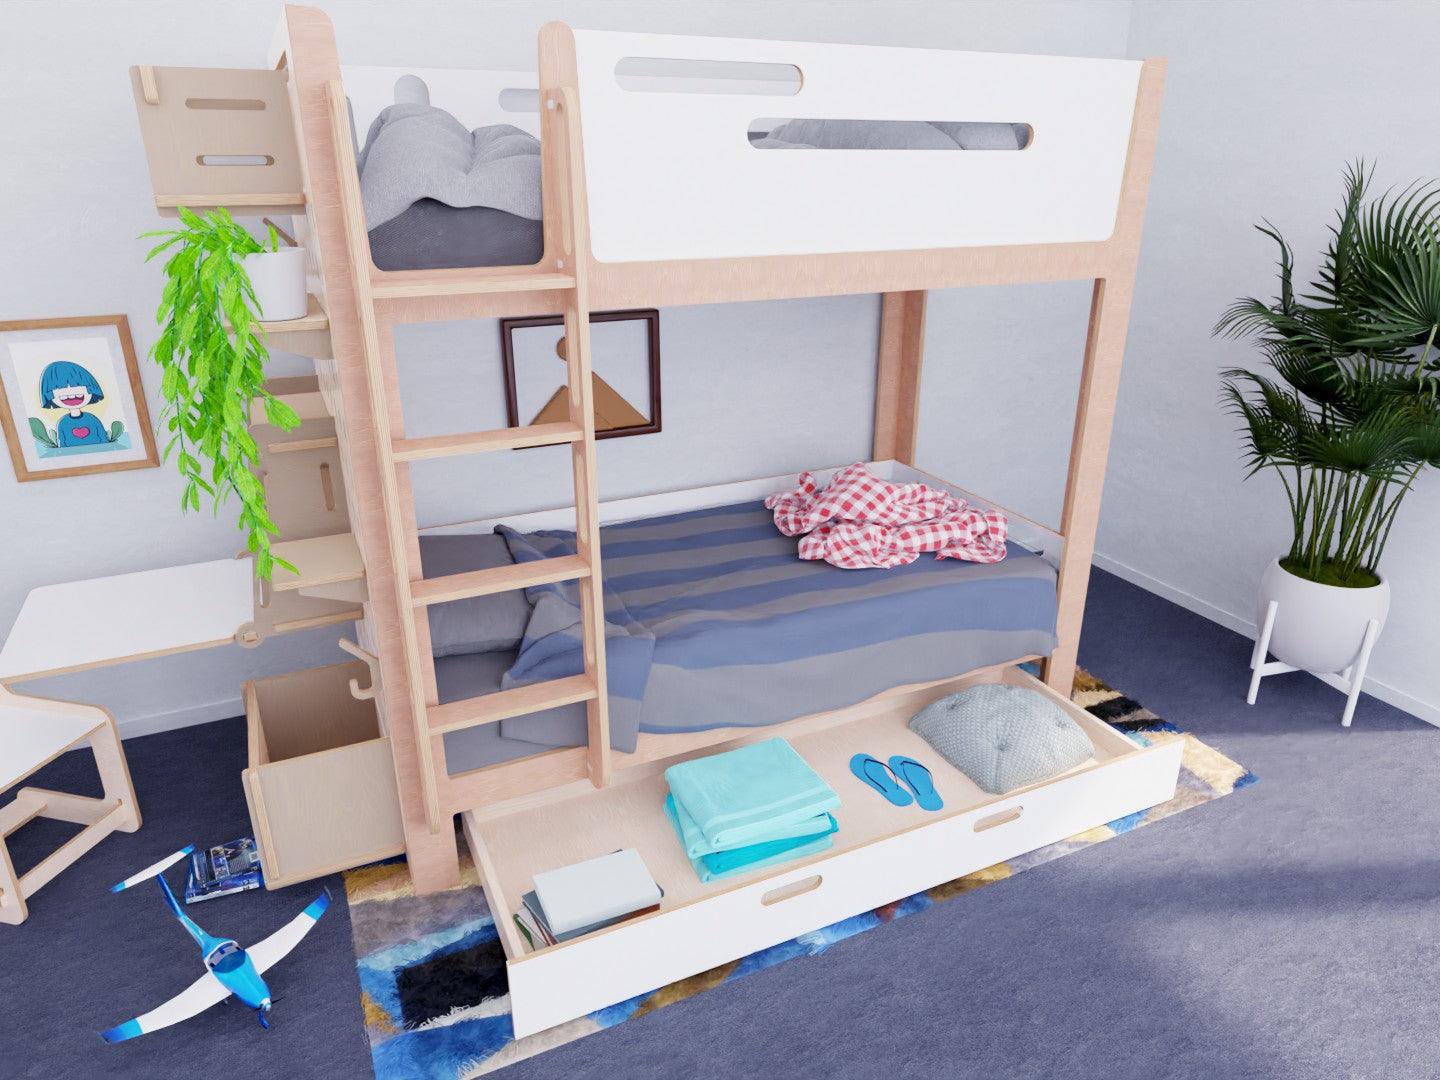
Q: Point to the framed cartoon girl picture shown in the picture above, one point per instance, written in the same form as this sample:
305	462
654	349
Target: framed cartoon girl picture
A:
70	398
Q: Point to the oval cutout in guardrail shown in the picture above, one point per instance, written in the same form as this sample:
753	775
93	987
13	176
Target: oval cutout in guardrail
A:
663	75
815	133
234	159
519	100
226	104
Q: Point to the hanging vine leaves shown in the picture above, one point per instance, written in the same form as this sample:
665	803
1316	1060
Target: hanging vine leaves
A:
212	373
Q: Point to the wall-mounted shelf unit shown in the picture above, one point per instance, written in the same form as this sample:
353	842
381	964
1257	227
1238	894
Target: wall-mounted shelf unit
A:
219	137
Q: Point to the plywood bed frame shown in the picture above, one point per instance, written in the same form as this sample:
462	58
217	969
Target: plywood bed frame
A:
625	227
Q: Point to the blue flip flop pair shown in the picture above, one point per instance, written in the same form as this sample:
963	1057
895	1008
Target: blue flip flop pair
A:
909	772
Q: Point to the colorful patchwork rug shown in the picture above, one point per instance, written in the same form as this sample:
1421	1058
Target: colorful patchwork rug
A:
432	973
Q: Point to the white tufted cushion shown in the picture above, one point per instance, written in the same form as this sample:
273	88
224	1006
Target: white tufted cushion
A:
1003	737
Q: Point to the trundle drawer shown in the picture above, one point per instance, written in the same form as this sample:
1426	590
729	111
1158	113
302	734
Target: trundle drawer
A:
882	854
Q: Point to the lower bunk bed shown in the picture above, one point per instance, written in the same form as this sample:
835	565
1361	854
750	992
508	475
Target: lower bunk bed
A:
719	636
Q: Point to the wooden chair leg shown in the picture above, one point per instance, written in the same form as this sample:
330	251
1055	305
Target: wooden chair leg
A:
12	902
115	773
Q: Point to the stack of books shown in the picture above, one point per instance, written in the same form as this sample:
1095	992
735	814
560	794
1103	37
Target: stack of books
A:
579	899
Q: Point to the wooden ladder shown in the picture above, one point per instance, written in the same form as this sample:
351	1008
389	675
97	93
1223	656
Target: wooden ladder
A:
415	595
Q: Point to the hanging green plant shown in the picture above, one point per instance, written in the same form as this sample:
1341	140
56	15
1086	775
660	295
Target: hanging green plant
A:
214	372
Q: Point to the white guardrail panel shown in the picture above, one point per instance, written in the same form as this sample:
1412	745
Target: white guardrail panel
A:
672	174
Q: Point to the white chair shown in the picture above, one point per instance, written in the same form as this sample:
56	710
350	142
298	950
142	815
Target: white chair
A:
33	733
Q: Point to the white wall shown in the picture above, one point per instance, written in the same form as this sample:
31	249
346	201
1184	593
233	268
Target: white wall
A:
1265	104
76	196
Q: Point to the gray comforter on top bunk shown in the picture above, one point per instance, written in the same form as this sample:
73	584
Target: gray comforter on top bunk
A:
439	195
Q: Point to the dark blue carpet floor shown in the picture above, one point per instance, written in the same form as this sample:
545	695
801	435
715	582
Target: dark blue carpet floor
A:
1289	931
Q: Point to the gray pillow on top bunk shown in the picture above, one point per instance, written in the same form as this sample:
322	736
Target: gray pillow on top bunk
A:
482	623
1003	737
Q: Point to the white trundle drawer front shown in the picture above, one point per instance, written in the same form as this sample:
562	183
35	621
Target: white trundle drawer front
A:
568	981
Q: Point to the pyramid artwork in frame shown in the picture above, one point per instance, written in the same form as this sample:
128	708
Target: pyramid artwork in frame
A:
625	348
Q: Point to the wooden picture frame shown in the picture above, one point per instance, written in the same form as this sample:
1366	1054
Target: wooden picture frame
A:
31	351
650	316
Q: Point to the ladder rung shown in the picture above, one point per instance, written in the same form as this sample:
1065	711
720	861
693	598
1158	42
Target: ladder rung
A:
480	442
498	579
440	283
503	704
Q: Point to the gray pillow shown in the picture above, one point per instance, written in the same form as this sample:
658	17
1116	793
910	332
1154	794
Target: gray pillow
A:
482	623
1003	737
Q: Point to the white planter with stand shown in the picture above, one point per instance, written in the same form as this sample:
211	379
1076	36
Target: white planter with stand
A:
1326	630
279	281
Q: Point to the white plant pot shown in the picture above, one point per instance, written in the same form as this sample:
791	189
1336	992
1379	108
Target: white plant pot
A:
279	281
1319	628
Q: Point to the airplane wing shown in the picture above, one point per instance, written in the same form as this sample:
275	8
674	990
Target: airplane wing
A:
269	952
193	1000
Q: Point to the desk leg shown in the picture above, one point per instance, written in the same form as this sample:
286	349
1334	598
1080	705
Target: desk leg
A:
12	901
115	773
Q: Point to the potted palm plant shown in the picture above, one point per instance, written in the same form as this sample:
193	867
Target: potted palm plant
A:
1347	414
212	352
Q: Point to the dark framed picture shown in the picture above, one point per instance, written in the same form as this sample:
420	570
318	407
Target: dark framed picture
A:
71	401
624	367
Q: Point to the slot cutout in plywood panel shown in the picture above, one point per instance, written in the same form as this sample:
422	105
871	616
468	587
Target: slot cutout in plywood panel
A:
701	193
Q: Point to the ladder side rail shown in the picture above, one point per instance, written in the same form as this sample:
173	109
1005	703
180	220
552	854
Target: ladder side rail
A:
351	206
560	129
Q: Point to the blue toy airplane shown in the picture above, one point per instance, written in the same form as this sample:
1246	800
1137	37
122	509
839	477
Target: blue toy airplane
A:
229	969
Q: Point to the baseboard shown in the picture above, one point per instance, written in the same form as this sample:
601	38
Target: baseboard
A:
135	726
1245	627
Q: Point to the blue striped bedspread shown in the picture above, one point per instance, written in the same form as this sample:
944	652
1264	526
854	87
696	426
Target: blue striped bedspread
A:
713	620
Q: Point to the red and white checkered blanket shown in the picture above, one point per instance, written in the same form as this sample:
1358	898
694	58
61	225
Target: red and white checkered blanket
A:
861	521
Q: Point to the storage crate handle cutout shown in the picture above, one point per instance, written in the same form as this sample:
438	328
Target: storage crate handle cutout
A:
371	661
792	890
1004	817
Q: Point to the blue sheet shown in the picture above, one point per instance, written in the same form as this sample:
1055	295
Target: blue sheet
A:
713	620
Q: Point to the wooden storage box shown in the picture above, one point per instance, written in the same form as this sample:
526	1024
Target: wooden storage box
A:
321	785
882	853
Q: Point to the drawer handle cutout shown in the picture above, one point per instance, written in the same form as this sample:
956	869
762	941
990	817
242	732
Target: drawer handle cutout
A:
327	486
794	889
1004	817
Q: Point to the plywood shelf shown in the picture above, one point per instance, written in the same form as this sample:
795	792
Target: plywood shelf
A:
313	319
323	560
301	393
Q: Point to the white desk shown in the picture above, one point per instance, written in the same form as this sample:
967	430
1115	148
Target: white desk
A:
110	620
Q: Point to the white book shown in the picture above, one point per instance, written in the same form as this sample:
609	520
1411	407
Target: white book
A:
592	891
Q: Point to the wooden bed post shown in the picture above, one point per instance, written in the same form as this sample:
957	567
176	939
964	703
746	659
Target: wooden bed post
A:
1099	382
897	375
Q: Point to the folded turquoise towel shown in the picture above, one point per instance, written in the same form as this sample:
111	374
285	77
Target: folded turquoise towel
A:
745	796
695	844
739	860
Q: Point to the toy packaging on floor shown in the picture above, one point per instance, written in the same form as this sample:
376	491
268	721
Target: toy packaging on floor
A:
224	869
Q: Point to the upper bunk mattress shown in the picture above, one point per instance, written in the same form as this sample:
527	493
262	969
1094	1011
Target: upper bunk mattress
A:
713	620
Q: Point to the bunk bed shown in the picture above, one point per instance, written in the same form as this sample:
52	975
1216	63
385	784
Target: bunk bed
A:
706	214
